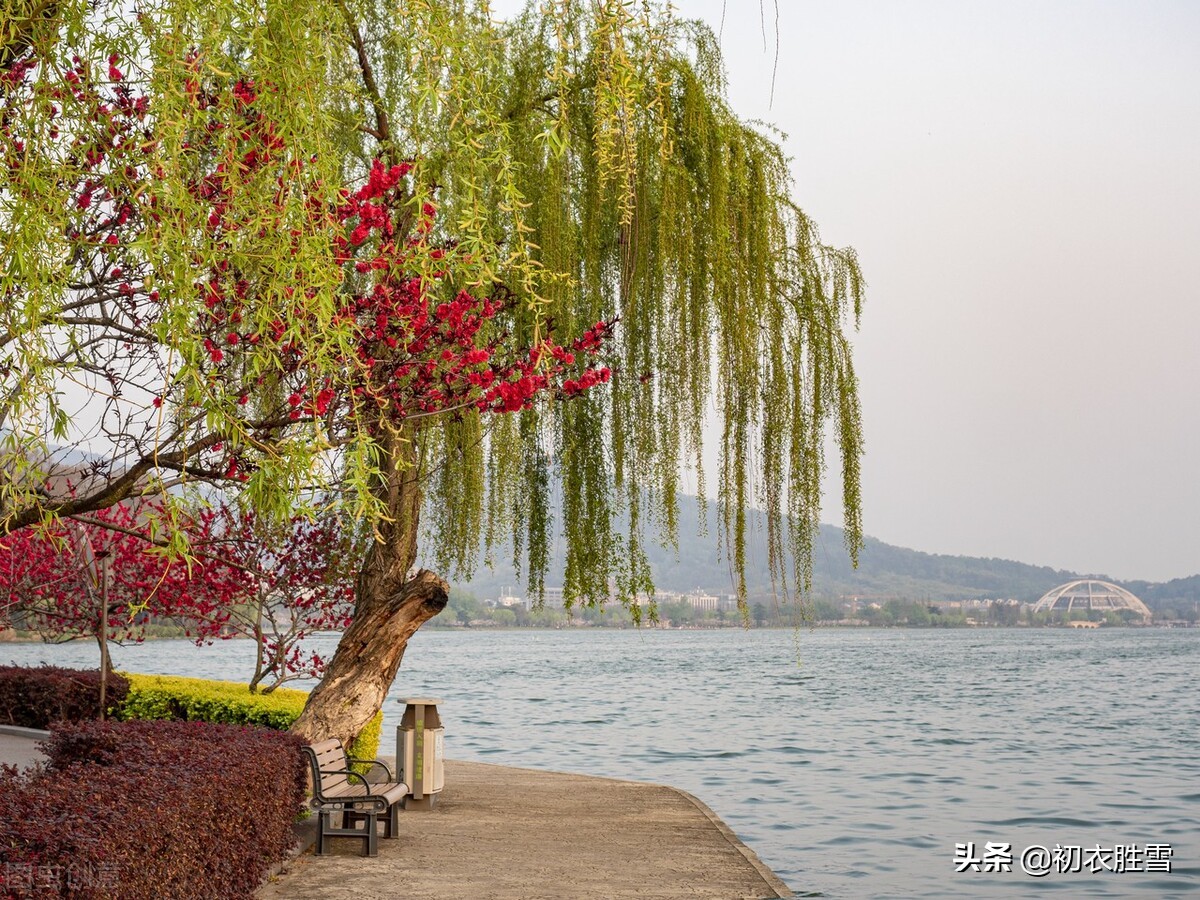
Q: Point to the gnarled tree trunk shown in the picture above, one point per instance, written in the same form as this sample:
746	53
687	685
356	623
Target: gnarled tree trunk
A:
390	605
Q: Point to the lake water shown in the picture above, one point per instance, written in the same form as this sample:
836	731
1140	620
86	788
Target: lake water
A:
851	761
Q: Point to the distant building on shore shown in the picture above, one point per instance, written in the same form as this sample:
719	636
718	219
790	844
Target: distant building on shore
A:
1090	595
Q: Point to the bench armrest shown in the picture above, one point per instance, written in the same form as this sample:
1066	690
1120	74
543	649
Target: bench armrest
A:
373	762
349	773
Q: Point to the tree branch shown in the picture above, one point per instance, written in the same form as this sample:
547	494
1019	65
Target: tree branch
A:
157	542
23	22
383	130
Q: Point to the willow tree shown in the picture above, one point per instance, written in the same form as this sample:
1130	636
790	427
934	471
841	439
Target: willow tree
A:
452	265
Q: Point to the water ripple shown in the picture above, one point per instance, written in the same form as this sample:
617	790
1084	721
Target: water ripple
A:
853	774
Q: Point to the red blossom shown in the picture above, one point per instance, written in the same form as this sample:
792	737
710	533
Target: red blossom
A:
53	576
418	347
294	580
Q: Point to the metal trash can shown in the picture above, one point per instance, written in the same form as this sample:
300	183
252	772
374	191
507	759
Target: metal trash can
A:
419	747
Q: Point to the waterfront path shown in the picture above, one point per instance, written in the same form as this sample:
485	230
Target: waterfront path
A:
499	833
18	746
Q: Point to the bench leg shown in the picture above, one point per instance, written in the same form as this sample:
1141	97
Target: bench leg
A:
391	824
391	820
350	819
323	825
371	837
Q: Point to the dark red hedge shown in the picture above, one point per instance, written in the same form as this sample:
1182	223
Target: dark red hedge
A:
150	810
34	697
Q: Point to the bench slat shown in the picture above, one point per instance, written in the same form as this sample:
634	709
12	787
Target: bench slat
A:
387	790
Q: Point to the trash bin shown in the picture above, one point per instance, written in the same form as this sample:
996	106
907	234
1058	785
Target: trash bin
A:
419	745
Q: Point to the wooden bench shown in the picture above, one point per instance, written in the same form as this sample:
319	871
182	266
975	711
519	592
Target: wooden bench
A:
339	789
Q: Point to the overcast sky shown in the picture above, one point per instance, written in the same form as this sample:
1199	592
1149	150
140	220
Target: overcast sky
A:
1022	183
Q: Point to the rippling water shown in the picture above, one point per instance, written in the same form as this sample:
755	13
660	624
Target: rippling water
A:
851	761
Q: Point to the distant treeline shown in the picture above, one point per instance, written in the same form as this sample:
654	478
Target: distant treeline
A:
884	572
466	610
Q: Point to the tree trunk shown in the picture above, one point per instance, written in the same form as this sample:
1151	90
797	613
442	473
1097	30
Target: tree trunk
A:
364	665
389	606
102	637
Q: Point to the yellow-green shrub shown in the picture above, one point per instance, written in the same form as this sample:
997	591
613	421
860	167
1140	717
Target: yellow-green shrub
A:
200	700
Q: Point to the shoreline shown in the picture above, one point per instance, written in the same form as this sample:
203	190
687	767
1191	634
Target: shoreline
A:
511	833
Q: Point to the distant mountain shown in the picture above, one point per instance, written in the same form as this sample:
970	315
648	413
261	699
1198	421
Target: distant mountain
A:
884	571
892	571
1178	592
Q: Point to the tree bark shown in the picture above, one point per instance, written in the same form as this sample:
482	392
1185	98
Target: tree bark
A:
364	666
390	604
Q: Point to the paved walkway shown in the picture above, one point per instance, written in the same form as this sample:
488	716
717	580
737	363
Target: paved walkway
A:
18	746
499	833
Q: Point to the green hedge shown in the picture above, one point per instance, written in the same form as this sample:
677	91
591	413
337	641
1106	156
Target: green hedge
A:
230	702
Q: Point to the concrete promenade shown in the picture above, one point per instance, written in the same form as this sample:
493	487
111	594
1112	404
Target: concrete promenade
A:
501	833
18	746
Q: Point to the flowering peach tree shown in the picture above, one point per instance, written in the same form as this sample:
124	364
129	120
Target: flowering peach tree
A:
275	584
286	582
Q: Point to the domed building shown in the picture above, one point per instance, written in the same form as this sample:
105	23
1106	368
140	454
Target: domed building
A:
1088	594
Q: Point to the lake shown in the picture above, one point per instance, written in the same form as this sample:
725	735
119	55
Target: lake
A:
852	761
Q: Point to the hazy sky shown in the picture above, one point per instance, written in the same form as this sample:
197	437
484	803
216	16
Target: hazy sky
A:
1022	183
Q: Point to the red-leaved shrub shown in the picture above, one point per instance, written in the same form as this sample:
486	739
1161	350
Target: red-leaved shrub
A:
33	697
149	810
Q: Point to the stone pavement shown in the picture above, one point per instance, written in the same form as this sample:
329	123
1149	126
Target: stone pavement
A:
499	833
18	746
